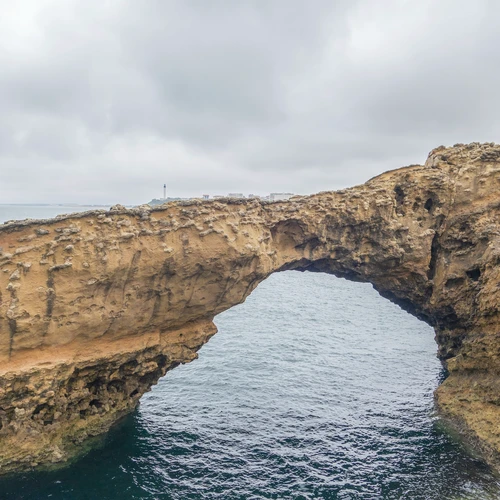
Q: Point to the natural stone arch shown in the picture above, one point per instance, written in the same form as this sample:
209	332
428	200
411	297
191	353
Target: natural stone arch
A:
96	307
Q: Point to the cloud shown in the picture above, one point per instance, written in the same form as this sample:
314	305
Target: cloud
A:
103	101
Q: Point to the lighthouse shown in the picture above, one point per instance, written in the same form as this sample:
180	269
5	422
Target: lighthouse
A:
164	191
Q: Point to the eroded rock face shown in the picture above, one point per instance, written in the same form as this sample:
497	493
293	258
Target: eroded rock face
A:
96	307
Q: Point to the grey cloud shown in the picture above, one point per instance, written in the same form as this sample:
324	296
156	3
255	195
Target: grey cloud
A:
104	101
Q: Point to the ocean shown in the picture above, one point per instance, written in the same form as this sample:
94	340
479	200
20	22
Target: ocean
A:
315	387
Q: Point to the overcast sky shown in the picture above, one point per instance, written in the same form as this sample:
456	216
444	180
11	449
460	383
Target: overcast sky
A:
102	101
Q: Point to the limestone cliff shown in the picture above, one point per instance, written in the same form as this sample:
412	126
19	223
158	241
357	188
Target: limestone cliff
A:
96	307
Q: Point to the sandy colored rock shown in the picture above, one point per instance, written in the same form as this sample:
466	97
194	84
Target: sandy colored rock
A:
96	307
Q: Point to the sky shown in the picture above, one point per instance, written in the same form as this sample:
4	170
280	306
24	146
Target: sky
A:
104	101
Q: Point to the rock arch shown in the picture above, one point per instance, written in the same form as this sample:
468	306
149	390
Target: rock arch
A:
96	307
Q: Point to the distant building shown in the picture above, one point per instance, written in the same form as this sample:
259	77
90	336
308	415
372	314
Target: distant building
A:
235	195
206	196
280	196
217	197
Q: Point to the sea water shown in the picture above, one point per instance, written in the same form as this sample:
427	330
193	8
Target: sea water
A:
315	387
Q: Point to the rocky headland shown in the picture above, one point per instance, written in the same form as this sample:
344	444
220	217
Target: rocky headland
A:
95	307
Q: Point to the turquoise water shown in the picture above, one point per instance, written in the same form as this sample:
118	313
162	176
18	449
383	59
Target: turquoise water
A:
316	387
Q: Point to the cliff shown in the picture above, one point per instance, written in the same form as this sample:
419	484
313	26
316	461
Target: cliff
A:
96	307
